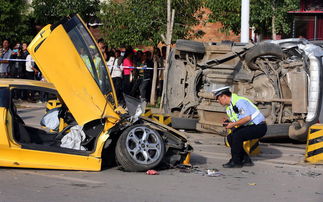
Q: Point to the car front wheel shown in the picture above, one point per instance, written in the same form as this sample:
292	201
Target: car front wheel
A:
140	148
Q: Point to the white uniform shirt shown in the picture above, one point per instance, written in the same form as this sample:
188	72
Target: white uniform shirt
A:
116	70
29	63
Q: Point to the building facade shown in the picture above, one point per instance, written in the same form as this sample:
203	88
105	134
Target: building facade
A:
308	21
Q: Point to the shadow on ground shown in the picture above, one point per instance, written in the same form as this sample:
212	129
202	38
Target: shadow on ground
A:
197	159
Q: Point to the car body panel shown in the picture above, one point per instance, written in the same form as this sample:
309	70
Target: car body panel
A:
25	82
63	66
14	155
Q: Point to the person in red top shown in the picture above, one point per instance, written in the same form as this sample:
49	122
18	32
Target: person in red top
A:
127	62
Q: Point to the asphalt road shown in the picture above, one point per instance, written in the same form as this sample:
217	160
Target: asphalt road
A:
279	174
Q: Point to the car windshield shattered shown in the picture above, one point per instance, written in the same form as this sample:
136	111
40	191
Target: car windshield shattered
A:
89	53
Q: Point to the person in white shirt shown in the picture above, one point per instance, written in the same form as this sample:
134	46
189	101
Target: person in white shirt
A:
5	54
115	69
30	68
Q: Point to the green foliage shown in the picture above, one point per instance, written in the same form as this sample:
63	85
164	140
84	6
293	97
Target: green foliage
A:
264	10
14	20
49	11
141	22
261	14
226	12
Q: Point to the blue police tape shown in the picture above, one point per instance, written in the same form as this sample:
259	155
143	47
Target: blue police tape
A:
15	60
124	67
129	67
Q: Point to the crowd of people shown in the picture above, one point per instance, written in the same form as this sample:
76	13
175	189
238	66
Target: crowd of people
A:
17	63
131	69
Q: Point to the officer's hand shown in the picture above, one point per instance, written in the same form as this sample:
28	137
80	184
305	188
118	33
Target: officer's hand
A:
225	120
230	125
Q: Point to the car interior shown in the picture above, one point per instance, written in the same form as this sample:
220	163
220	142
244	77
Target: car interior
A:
37	137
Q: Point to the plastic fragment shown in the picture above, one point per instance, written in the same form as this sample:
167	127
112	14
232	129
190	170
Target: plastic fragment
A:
214	173
152	172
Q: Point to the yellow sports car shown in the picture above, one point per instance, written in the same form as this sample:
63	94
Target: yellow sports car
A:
71	62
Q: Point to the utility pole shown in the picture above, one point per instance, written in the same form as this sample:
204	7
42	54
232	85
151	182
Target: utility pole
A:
245	7
170	24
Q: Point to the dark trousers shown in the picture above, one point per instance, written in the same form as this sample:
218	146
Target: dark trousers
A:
30	75
117	82
135	87
241	134
143	88
126	84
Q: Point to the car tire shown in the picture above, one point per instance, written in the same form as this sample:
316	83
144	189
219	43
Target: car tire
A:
139	148
262	49
190	46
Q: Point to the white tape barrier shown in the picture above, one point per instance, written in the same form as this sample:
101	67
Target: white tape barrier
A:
124	67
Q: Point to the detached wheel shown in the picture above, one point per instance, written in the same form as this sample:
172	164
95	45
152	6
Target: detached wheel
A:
140	148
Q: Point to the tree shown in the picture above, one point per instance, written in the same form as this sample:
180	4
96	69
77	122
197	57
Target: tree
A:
141	22
267	16
14	20
49	11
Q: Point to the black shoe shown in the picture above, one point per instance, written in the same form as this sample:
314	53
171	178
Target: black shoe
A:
247	161
231	164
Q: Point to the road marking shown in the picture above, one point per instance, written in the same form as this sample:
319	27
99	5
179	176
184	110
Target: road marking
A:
61	177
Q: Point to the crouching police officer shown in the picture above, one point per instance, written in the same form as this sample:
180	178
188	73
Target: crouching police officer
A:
245	121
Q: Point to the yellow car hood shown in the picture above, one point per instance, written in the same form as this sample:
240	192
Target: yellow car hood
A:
58	57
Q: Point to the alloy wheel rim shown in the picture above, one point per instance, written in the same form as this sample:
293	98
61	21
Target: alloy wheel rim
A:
144	145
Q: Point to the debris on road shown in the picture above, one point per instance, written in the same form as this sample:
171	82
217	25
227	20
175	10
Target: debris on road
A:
252	184
214	173
184	168
198	142
152	172
311	174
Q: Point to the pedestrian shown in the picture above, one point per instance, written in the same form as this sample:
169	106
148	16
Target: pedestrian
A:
245	121
147	75
24	54
15	67
138	62
127	70
5	55
114	65
31	70
103	49
31	73
144	76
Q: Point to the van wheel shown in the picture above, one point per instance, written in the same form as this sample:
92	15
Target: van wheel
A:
263	49
139	148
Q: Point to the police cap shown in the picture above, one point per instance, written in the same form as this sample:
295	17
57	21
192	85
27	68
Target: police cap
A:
220	91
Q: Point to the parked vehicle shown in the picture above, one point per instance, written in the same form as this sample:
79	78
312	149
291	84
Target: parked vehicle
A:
70	60
283	78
